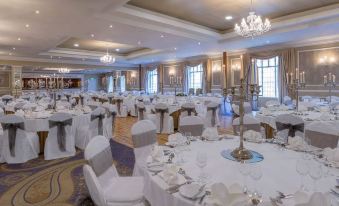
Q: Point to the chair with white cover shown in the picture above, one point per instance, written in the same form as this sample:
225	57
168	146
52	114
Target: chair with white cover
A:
188	109
105	186
7	98
191	124
121	108
289	125
144	137
287	100
247	108
141	111
250	123
163	120
212	119
109	123
95	127
322	134
60	141
18	145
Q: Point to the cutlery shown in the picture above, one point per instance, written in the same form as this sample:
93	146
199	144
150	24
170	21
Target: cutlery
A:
199	191
183	173
283	196
203	197
335	192
156	173
176	187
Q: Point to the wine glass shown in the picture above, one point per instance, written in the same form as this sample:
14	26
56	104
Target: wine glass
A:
302	168
244	171
315	173
256	174
201	161
188	135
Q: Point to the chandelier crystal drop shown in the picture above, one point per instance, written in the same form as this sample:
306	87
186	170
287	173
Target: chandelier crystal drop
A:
107	59
252	26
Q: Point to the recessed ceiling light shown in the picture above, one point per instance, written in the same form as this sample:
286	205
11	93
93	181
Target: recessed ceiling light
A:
162	36
27	25
92	35
139	42
19	39
13	48
117	50
228	17
199	43
76	45
37	11
111	26
175	48
10	54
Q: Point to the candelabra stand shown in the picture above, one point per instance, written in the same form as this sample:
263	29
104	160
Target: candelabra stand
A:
254	90
330	85
295	86
175	85
241	153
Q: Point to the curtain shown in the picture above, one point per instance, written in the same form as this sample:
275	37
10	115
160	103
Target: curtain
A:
160	78
147	69
287	64
208	76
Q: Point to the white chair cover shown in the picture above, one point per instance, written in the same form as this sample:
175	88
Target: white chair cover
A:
191	124
250	123
287	100
144	137
25	145
55	145
103	182
289	119
187	109
163	120
121	108
212	118
141	111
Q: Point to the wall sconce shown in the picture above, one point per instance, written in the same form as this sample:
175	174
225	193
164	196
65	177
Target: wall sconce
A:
236	67
216	68
171	72
133	74
327	60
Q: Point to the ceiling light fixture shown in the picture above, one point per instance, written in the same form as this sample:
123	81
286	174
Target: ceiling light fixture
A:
175	48
37	12
64	70
111	26
199	43
162	36
139	42
107	58
13	48
253	25
228	17
19	39
76	45
117	50
92	35
27	25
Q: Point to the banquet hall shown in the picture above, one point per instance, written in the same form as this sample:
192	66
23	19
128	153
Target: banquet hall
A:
169	103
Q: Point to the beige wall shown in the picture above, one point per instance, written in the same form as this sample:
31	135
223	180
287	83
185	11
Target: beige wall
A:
8	77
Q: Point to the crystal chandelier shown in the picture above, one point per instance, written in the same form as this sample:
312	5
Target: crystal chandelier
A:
64	70
107	59
252	26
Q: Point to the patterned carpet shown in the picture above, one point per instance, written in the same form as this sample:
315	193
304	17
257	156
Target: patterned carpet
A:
61	182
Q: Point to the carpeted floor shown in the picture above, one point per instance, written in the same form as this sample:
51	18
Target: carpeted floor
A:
60	182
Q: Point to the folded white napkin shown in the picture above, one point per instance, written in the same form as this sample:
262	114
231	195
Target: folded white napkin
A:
157	154
317	199
211	133
223	196
170	174
331	154
253	136
176	139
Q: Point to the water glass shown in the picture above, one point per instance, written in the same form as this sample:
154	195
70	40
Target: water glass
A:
244	170
315	173
302	168
201	161
256	174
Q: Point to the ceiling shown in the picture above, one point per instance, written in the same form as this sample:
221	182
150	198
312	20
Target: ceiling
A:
42	33
212	13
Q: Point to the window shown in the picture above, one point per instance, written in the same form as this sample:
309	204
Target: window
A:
110	84
268	76
122	84
195	77
152	81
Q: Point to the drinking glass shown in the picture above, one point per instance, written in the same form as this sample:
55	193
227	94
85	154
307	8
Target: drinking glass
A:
188	135
201	161
302	168
256	174
315	173
244	170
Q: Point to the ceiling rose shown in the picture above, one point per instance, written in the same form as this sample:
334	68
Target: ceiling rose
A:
107	58
253	25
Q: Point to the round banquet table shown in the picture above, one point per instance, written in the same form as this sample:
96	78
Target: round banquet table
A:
278	168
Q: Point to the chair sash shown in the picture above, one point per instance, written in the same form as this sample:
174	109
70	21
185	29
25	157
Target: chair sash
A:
291	128
141	111
112	114
61	131
81	100
144	139
162	112
151	99
100	118
321	139
19	106
12	128
59	96
214	113
118	101
195	130
102	161
189	110
6	100
110	100
68	97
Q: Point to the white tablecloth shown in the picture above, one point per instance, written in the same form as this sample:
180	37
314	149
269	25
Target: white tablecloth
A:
278	167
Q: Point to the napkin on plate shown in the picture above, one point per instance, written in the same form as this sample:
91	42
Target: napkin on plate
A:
170	175
176	139
211	133
20	113
317	199
253	136
157	154
332	154
223	196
